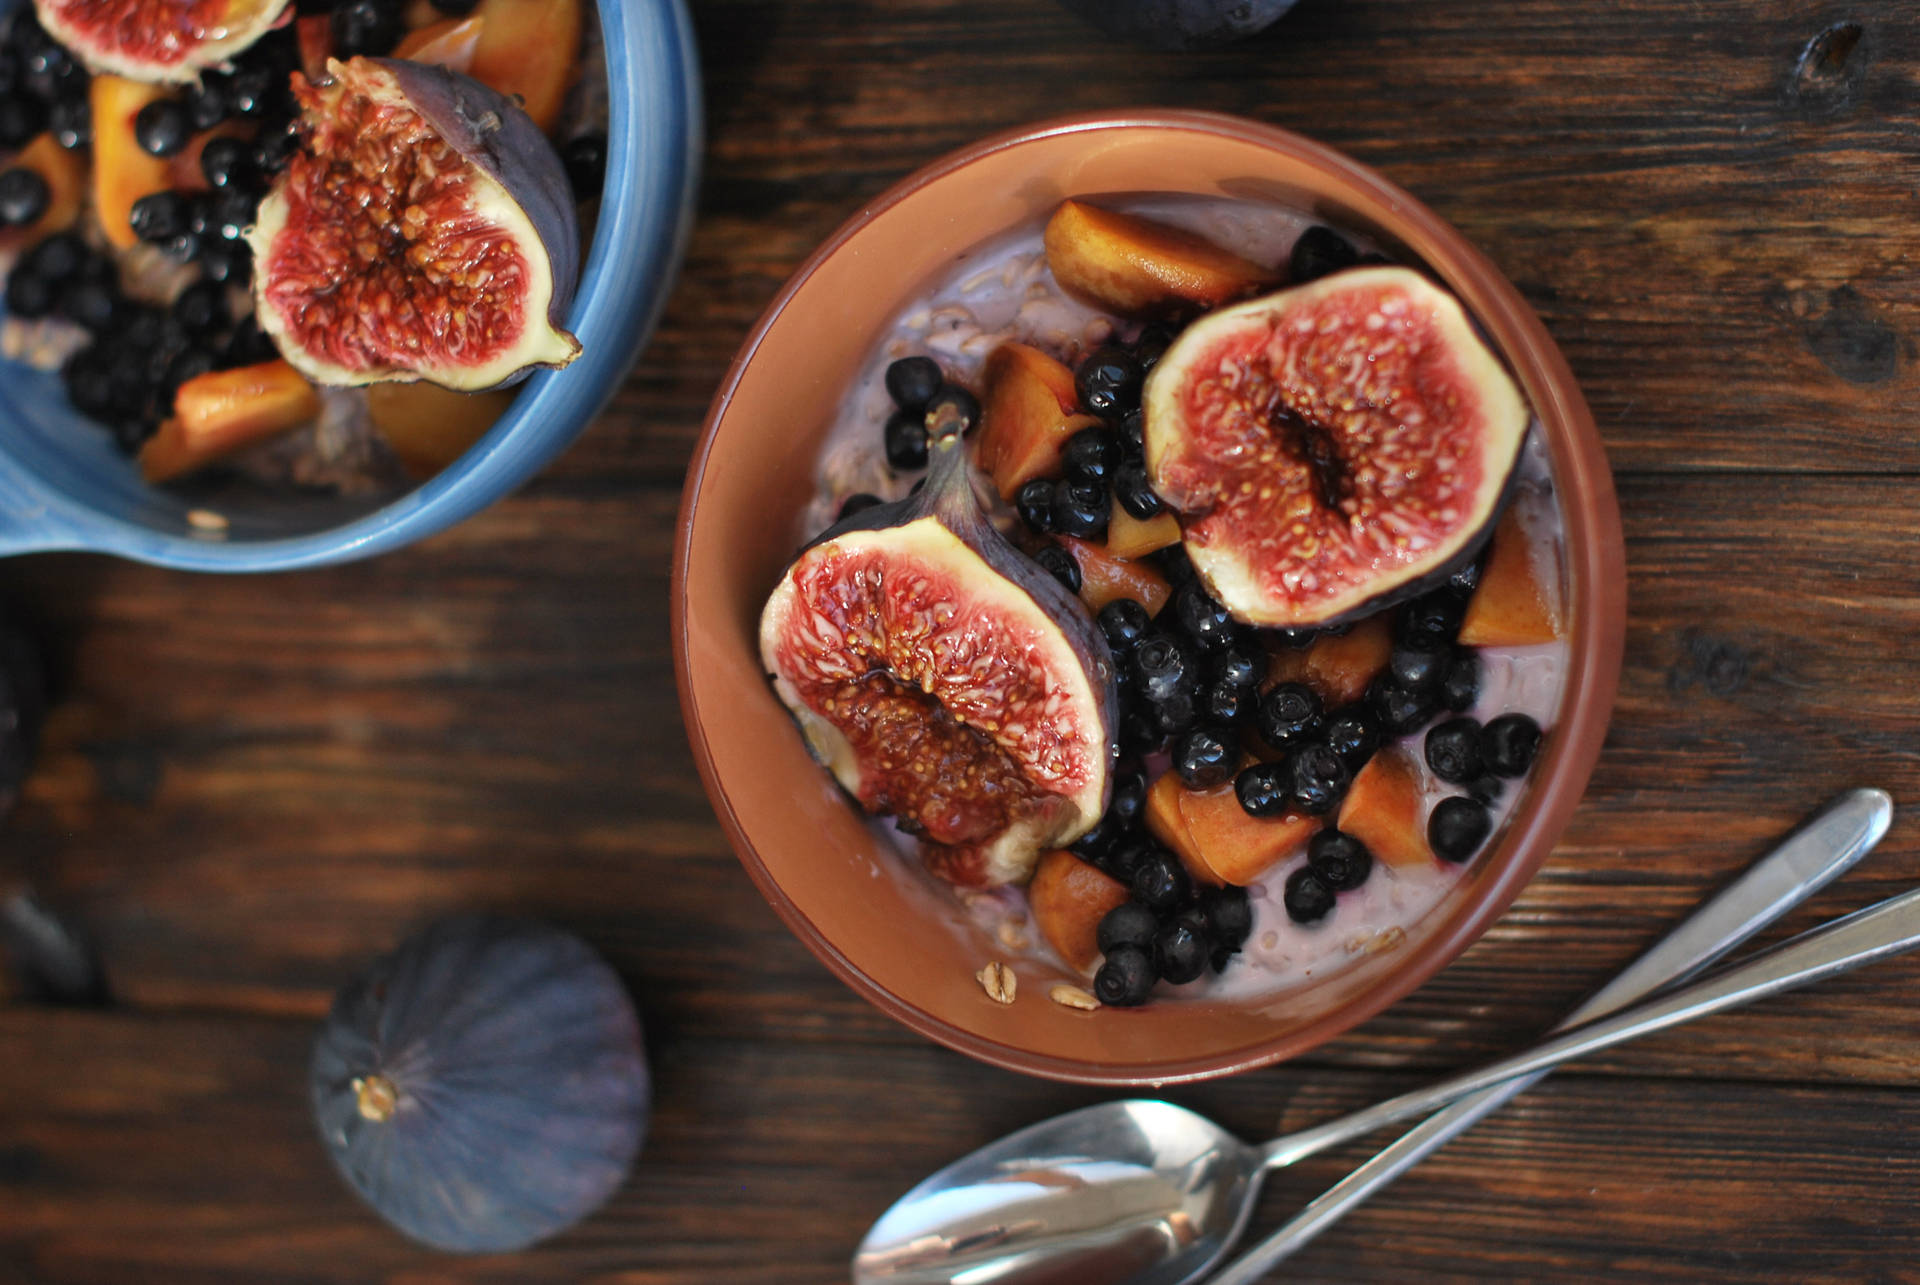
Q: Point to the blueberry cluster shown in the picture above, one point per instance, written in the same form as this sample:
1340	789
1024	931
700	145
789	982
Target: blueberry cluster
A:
42	88
1168	930
919	389
1462	752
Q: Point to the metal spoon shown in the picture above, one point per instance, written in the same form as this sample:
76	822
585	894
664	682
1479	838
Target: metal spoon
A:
1149	1193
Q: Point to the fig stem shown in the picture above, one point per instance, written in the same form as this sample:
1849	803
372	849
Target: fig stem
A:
946	423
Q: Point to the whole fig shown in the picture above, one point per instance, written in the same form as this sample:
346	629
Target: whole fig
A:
1180	24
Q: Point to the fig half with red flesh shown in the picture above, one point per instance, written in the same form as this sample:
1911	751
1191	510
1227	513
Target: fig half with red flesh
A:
425	230
946	679
160	41
1330	449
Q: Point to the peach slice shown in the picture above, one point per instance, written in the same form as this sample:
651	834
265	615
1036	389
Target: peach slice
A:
529	48
66	176
429	427
225	411
1337	666
1104	578
1382	810
450	44
1027	414
1229	846
123	172
1140	268
1509	609
1069	898
1129	537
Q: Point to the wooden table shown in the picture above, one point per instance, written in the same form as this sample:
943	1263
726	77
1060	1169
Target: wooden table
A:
250	787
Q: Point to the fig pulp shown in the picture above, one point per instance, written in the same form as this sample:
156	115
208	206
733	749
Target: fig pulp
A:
945	679
1330	449
163	41
425	230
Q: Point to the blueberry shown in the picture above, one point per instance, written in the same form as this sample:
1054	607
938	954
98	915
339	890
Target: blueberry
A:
24	196
1099	839
1133	436
1400	710
1238	665
1126	978
1453	750
275	148
1464	581
21	118
585	158
1124	622
58	257
1127	924
228	262
1288	715
1108	382
1263	789
913	381
1457	828
1342	861
1204	758
1129	799
70	120
1226	704
161	127
209	102
905	437
49	72
1151	346
858	502
1140	733
1318	778
1181	947
1160	883
1034	503
1460	688
159	216
364	27
1162	667
1486	789
1431	622
1127	854
1203	620
230	212
86	378
1307	897
1508	744
1354	734
228	163
1060	565
1080	509
90	304
1229	916
191	364
1134	492
1176	713
1091	455
1418	669
1319	251
964	404
200	308
1175	564
29	295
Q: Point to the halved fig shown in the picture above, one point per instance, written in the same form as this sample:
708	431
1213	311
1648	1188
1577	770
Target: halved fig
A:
945	678
1332	448
425	230
159	41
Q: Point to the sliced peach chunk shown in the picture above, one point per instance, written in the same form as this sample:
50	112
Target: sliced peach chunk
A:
1104	578
66	176
450	44
1337	666
1164	821
1228	845
1026	416
429	427
123	172
224	411
1509	609
1382	810
1069	898
1129	537
529	48
1140	268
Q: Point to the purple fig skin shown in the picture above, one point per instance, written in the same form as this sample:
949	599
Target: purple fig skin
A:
501	140
1180	24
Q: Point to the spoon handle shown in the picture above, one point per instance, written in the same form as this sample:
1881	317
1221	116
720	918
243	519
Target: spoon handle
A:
1889	928
1827	845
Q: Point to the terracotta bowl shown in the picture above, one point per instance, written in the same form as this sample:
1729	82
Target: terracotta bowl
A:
850	898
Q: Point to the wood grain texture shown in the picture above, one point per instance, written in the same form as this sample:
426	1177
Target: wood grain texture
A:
251	787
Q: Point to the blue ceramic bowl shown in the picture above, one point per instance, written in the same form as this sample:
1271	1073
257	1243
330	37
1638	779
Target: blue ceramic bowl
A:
64	486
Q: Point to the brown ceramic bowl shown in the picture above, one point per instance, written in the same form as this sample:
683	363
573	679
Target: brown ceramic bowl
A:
856	903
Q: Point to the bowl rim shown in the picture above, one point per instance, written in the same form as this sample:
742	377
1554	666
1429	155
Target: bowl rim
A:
655	130
1594	658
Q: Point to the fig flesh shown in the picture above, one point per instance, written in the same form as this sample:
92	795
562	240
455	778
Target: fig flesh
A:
945	679
1331	448
425	230
159	41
